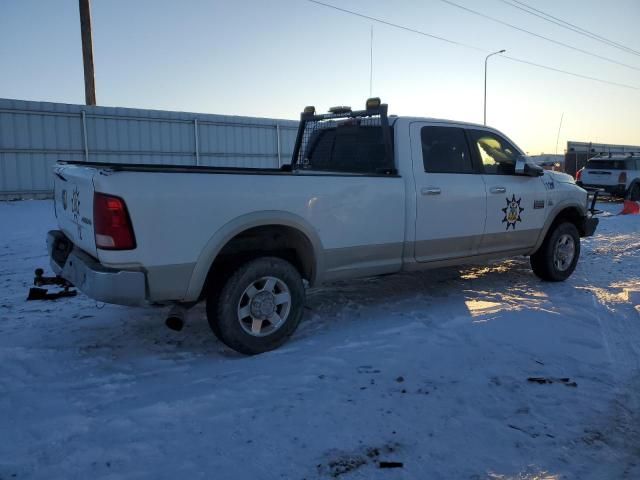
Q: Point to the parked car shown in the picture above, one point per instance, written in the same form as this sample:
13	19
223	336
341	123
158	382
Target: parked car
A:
365	194
618	174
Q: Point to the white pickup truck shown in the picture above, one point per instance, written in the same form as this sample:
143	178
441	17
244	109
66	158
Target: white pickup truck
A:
366	194
618	174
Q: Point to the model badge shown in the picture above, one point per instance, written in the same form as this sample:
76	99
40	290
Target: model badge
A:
64	199
75	209
512	212
538	204
75	202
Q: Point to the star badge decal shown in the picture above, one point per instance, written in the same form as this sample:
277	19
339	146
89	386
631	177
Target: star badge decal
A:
512	212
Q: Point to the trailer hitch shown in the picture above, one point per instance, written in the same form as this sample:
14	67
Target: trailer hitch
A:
592	198
43	294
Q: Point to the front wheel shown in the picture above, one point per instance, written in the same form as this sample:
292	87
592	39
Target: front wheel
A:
558	255
259	307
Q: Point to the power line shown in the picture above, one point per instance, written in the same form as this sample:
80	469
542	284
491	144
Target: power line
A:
395	25
572	27
545	17
569	26
464	45
579	75
566	45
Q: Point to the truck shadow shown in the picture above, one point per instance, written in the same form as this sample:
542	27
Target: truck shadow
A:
476	293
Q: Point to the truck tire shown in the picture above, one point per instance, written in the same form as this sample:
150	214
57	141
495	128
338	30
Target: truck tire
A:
558	255
634	192
259	307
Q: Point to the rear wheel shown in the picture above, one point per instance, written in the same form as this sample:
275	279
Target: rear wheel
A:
259	307
558	255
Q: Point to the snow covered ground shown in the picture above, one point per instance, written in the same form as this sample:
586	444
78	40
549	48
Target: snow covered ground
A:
427	369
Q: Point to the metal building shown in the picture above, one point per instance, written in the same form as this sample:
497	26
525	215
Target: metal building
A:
34	135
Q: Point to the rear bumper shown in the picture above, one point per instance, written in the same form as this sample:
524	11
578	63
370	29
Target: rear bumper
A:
615	190
588	227
122	287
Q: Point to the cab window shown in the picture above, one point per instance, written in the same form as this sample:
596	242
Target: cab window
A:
607	165
498	156
347	147
445	150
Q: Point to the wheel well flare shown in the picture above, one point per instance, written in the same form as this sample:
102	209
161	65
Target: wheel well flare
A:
281	241
571	215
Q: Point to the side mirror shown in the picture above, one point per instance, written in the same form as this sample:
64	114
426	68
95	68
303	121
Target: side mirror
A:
529	169
533	170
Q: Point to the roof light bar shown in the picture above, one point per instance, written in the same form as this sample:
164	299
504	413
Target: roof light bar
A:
340	109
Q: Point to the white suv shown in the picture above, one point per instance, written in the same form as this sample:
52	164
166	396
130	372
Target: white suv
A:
618	174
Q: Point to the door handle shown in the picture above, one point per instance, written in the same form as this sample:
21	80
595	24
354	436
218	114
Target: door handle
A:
498	190
431	191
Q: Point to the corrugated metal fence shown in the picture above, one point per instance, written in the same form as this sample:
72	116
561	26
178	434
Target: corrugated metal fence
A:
34	135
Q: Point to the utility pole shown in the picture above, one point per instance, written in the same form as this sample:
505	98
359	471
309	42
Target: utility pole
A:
485	82
87	52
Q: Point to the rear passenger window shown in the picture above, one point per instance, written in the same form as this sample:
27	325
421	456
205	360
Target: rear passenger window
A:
445	150
348	148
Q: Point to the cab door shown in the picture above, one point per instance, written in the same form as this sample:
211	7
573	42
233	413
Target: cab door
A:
516	204
450	193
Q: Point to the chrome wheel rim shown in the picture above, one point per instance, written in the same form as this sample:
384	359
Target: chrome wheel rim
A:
564	252
264	306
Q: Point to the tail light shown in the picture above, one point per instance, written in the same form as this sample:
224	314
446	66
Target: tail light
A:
111	223
579	175
622	178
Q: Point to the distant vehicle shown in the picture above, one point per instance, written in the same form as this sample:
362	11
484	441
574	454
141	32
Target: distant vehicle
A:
548	162
618	174
550	165
365	194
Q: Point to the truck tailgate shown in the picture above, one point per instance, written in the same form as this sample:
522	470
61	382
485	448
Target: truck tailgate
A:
600	177
73	198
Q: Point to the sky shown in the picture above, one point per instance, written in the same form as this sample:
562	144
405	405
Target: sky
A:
270	58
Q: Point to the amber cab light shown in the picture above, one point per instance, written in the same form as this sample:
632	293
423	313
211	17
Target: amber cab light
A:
111	223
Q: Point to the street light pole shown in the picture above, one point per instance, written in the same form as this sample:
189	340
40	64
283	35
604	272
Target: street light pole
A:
485	82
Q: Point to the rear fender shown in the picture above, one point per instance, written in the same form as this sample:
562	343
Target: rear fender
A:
239	225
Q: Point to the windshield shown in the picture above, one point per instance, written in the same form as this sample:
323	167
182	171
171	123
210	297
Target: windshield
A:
607	165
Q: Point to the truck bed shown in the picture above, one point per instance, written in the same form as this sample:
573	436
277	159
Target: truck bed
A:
168	168
182	217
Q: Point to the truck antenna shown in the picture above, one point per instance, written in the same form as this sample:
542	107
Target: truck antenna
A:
371	64
559	128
